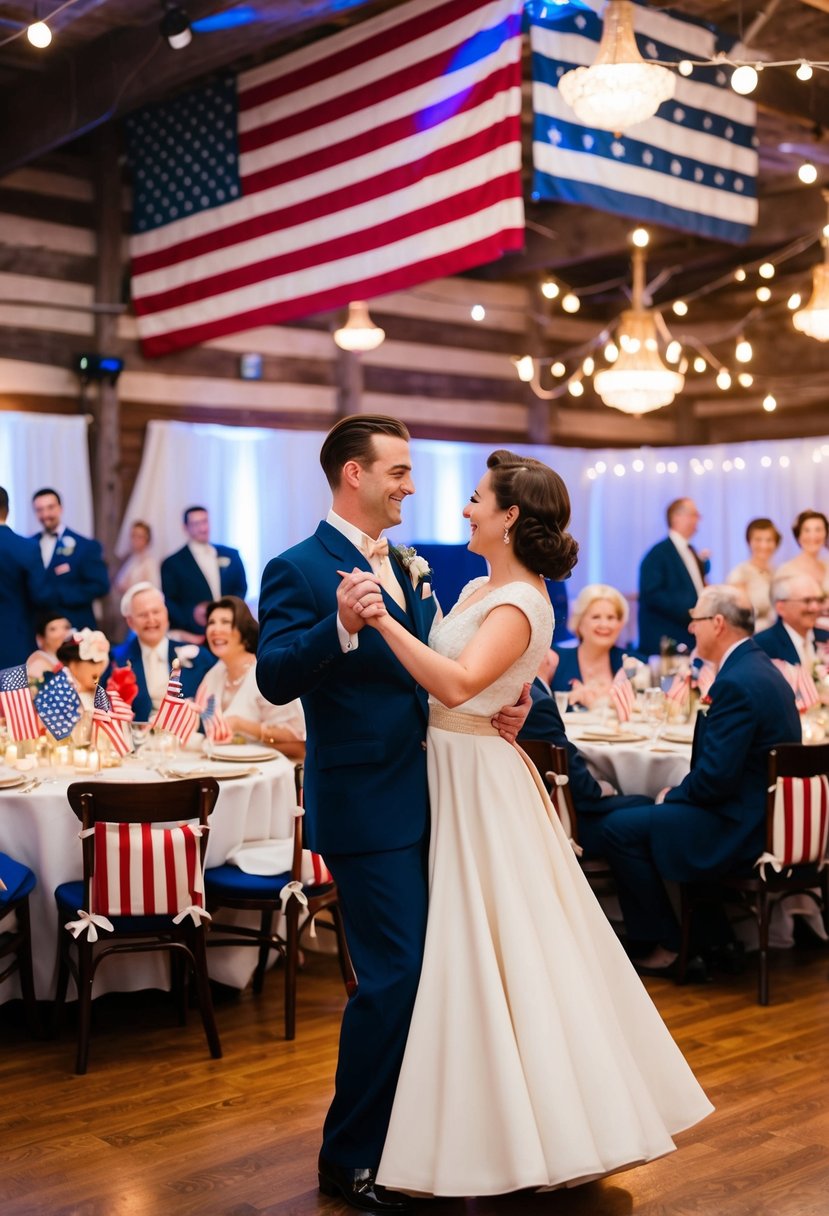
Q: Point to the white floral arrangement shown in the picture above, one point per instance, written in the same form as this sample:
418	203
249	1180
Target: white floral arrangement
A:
93	646
66	547
417	567
224	562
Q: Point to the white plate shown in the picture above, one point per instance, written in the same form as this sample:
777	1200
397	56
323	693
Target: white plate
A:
244	753
678	734
11	780
222	772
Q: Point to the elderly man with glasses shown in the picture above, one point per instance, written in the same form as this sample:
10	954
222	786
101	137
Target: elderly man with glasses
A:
797	600
713	822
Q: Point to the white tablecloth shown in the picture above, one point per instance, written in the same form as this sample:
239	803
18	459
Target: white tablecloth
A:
642	767
40	829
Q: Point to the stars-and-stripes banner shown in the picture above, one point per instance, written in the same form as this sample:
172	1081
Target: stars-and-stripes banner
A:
368	162
693	166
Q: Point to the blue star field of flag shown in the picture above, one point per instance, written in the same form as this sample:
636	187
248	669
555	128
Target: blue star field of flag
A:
58	705
184	155
12	678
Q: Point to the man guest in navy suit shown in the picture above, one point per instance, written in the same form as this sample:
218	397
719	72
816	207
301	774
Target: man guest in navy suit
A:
150	652
714	821
365	788
75	570
797	600
671	576
199	573
22	588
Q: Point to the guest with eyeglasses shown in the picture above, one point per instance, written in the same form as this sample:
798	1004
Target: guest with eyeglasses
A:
797	600
756	574
714	820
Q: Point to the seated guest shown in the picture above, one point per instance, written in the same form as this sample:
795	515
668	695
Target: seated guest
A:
141	566
797	600
586	671
151	652
713	821
75	570
232	636
51	630
85	655
671	576
592	799
22	587
198	574
756	574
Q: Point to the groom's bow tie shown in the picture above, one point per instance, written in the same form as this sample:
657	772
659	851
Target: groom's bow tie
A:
376	548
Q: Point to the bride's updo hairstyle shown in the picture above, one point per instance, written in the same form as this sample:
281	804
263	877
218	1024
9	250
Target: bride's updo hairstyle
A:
538	536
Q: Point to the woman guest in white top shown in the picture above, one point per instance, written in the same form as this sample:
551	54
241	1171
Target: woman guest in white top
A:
755	575
141	566
232	635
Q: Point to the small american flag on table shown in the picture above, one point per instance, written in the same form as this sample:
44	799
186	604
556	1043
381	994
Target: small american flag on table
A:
175	714
104	720
16	703
58	705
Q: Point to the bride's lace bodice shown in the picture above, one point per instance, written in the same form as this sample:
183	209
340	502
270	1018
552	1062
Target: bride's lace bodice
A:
452	634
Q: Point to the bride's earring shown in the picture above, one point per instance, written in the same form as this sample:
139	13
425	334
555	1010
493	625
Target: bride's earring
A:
506	535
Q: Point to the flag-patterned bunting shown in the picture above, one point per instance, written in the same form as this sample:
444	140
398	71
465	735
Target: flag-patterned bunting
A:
141	870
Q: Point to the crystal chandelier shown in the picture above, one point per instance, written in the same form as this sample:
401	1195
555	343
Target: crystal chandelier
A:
813	318
638	381
359	332
620	89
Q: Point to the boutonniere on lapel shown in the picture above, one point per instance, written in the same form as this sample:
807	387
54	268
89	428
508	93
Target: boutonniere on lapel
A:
224	562
66	547
704	704
186	654
417	568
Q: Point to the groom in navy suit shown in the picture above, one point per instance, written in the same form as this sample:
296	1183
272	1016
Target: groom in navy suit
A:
366	793
714	820
671	576
76	573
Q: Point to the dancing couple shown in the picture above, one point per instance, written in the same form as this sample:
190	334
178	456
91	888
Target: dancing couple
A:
503	1041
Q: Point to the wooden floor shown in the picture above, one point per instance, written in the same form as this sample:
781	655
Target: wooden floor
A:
157	1128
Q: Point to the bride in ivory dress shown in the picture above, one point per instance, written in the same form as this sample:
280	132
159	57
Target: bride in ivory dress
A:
535	1057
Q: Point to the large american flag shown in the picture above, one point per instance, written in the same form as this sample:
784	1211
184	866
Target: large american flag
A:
692	166
175	715
16	703
379	158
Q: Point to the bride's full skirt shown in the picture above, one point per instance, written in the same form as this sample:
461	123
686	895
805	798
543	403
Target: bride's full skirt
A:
535	1056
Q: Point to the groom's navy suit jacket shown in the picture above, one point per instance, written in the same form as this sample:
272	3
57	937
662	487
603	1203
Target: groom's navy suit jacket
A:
719	808
666	595
365	766
367	806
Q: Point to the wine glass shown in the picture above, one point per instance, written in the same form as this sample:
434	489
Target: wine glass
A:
655	707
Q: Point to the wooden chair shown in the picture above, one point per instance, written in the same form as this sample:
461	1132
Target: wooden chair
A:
307	886
551	762
16	941
797	827
121	824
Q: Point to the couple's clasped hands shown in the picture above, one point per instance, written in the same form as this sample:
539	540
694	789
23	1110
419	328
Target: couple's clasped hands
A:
359	599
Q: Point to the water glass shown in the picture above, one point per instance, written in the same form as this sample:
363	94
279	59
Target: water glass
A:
562	702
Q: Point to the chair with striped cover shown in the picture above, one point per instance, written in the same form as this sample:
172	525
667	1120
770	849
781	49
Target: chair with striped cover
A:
16	884
142	890
794	859
551	762
308	887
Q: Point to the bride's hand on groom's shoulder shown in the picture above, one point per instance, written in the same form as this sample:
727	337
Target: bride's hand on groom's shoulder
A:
357	597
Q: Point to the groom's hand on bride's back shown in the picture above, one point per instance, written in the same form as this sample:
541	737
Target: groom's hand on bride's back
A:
356	592
510	718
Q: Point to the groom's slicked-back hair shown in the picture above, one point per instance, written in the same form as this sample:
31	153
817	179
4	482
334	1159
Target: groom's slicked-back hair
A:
352	438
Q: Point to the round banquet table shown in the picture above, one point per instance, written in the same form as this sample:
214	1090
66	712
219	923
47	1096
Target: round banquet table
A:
40	829
631	762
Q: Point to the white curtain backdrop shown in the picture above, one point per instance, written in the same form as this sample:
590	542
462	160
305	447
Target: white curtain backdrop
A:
265	491
38	450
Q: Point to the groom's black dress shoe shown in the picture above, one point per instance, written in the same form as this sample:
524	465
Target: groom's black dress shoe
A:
360	1189
696	971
